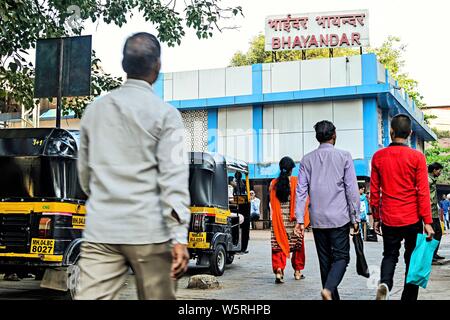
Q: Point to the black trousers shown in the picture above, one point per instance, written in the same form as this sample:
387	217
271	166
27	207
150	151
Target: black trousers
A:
392	241
437	232
333	250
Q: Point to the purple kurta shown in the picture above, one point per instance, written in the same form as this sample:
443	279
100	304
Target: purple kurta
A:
327	174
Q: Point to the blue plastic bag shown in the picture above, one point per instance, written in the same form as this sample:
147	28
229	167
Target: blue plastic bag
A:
421	259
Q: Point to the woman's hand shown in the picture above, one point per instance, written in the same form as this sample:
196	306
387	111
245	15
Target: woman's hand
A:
299	230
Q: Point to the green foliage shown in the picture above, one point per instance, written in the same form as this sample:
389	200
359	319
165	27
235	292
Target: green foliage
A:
23	22
390	54
436	153
441	133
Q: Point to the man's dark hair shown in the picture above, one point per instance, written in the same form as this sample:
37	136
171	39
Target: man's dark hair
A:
140	54
434	166
401	124
324	130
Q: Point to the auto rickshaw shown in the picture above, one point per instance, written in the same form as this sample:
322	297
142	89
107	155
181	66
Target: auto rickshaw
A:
42	207
220	225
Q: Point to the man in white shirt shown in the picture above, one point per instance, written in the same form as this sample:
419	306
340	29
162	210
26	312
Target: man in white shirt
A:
255	205
133	167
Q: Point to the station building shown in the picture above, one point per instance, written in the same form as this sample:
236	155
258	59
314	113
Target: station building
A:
262	112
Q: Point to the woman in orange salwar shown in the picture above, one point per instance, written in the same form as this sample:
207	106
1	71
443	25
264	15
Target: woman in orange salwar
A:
282	206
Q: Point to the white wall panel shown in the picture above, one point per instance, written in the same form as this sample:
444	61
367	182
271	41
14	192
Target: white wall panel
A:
340	72
355	70
267	78
212	83
352	141
239	81
314	112
315	74
222	121
270	149
236	132
285	76
239	118
221	145
168	86
348	114
239	147
268	121
290	144
185	85
310	142
381	73
288	117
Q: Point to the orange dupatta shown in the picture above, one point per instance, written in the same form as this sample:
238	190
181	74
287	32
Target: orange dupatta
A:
277	219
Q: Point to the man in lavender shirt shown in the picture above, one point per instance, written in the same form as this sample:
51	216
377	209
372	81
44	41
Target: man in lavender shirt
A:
327	174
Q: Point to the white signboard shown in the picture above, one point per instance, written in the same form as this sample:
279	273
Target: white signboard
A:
342	29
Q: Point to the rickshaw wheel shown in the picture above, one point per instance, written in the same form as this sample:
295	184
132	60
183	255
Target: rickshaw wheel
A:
217	260
230	258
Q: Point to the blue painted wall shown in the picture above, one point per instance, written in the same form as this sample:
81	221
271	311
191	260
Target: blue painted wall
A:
158	86
213	135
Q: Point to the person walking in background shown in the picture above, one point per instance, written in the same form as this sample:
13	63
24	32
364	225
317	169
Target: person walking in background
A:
400	201
363	210
255	205
282	209
434	171
444	204
133	167
327	174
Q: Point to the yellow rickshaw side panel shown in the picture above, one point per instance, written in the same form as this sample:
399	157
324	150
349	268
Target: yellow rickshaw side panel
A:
29	207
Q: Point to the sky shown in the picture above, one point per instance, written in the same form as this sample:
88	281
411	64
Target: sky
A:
421	25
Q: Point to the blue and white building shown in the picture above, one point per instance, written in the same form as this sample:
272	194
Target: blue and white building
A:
262	112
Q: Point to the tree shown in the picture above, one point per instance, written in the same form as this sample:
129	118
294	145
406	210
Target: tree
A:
389	53
437	153
22	22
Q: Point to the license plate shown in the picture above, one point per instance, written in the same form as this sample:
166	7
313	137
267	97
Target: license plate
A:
42	246
221	218
78	221
197	237
198	240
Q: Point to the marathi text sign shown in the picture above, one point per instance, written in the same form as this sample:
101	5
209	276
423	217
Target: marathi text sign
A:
317	30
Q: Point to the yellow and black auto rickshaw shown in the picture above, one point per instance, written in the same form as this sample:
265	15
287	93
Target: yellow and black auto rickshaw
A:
220	220
42	208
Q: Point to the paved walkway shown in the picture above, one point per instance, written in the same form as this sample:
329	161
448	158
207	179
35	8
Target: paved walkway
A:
250	277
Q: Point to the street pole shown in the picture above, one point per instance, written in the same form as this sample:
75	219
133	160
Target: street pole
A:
60	84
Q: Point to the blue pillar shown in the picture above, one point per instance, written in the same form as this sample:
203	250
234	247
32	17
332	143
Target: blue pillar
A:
369	68
385	116
370	112
413	140
213	136
158	86
257	133
370	124
257	84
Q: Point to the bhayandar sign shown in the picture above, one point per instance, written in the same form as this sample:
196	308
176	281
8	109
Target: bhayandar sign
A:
341	29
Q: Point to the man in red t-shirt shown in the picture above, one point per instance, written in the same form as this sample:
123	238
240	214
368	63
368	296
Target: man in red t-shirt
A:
400	201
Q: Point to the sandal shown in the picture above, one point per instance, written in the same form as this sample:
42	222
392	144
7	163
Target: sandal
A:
279	276
298	275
